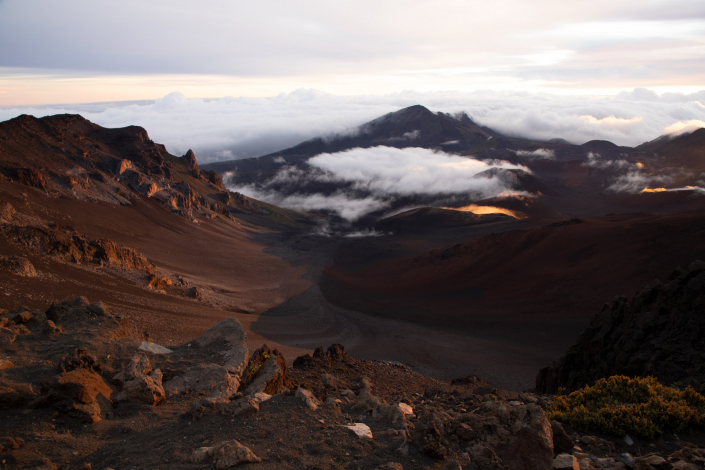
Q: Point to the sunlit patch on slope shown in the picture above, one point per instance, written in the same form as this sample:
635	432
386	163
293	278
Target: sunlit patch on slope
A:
483	210
669	190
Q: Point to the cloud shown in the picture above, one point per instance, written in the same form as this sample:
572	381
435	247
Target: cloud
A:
681	127
635	181
346	206
538	154
409	171
595	160
369	180
242	127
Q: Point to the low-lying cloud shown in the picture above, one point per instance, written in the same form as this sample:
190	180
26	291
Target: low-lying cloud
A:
538	154
370	179
241	127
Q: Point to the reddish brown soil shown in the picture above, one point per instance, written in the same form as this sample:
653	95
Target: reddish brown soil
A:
218	256
522	293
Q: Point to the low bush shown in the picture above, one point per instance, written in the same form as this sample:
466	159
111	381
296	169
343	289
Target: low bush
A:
620	405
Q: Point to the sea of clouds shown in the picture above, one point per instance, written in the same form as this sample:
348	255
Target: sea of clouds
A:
371	179
231	128
241	127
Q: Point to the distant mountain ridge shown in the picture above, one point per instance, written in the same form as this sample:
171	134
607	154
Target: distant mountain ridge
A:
595	178
415	126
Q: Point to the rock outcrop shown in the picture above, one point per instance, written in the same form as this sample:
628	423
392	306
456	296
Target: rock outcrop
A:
266	372
18	265
659	332
68	156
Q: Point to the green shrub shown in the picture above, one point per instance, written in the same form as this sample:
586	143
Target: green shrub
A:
621	405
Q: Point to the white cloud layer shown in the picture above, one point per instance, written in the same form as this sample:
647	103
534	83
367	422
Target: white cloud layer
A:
379	174
409	171
538	154
229	128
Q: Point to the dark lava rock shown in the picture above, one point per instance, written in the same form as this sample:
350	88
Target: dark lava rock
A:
660	332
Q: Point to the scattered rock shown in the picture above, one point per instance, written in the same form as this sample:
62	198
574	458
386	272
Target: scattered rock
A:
210	379
308	398
7	212
406	409
391	466
140	383
158	283
627	459
562	443
335	352
361	430
80	359
683	465
242	406
225	455
194	293
7	336
5	364
565	462
153	348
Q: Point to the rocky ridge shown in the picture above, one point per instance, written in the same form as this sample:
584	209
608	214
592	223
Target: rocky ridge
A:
68	156
660	332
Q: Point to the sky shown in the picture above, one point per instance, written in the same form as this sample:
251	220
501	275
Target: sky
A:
235	79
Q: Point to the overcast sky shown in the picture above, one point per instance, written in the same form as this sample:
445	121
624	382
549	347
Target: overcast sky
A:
235	79
86	50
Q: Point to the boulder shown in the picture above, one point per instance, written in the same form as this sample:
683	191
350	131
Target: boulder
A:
242	406
210	379
266	372
331	382
360	430
230	331
335	352
81	392
80	359
7	336
18	265
146	389
7	212
11	443
565	462
194	292
139	382
14	395
308	398
562	443
225	455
